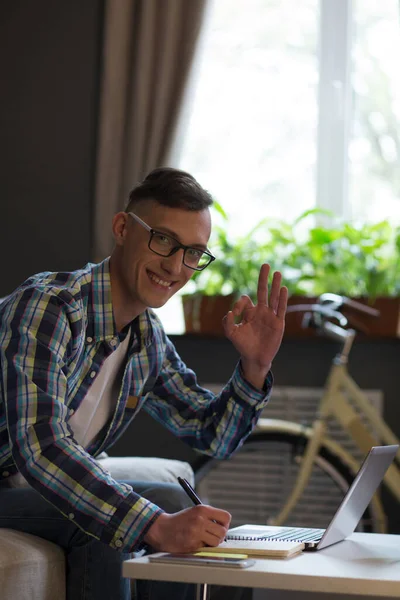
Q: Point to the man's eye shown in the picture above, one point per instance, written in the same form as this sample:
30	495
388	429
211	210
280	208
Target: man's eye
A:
163	239
193	253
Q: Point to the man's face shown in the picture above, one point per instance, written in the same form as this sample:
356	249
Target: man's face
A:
149	280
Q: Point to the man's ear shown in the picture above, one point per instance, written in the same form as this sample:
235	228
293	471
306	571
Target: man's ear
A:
119	227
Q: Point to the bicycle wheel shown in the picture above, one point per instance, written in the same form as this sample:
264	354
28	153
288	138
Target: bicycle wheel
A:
254	483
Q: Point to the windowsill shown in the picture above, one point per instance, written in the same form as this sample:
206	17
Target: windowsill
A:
172	318
302	339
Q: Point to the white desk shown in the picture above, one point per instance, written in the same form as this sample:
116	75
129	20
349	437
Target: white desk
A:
365	564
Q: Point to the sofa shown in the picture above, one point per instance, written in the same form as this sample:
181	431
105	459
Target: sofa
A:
34	569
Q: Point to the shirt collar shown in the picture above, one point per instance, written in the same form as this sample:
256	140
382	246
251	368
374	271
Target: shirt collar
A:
101	322
146	328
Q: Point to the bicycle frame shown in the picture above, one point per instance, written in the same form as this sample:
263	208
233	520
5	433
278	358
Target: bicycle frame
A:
335	402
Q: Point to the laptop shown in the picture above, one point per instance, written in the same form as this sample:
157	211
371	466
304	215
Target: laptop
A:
347	516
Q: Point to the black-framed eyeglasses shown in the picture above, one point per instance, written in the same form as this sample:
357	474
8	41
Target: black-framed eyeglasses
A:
165	245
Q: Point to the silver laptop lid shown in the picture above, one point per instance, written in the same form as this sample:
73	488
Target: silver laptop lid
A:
359	495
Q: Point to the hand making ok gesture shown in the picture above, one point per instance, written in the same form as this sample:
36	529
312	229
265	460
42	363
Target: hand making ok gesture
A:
258	335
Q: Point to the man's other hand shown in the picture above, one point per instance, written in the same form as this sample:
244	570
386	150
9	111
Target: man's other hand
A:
188	529
258	334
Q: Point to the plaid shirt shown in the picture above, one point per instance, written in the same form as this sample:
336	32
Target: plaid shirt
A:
56	330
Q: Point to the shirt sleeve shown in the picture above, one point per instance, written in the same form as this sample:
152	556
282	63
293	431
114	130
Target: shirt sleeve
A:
39	335
216	425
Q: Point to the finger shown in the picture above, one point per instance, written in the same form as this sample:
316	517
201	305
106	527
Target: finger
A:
209	539
214	515
228	323
262	287
222	517
282	304
275	291
241	304
217	531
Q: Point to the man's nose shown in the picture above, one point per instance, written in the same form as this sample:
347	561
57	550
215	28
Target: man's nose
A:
173	264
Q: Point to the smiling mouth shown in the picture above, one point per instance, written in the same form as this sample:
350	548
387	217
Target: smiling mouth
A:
162	283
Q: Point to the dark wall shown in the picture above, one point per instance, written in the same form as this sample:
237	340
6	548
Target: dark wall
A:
49	65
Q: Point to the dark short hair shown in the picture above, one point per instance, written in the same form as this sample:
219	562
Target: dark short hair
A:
171	187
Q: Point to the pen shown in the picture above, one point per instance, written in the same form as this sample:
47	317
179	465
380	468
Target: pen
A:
191	493
189	490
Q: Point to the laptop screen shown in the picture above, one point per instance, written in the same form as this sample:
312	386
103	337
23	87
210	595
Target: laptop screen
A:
359	495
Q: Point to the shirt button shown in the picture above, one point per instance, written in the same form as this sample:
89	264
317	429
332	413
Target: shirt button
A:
118	543
5	473
71	516
89	340
71	411
93	374
113	342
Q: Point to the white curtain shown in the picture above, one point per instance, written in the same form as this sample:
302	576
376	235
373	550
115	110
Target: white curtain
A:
147	54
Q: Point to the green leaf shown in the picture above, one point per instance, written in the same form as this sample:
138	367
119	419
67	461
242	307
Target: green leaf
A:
342	257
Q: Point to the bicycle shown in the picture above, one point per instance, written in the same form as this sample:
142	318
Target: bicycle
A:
310	461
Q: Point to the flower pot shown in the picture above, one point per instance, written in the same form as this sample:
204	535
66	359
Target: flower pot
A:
386	325
294	320
203	314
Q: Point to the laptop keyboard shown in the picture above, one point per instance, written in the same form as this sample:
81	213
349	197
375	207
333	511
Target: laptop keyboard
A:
298	534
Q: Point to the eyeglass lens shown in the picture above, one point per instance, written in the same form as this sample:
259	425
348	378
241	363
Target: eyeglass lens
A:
164	245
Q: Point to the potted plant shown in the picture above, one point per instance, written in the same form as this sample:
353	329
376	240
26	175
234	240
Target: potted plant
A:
358	261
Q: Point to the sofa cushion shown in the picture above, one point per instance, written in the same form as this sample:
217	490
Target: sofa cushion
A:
30	568
138	468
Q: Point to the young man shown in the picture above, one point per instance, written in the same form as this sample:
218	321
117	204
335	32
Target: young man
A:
81	354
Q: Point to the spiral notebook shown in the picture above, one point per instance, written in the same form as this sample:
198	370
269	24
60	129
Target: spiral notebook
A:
257	548
345	520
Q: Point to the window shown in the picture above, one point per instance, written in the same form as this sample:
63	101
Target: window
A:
374	152
251	135
295	105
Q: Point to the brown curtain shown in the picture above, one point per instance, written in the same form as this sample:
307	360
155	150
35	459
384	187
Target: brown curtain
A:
147	52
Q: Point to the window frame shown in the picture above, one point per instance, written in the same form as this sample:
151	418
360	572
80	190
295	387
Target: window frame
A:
334	106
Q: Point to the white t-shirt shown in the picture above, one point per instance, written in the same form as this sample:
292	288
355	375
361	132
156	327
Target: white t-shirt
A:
97	406
99	403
